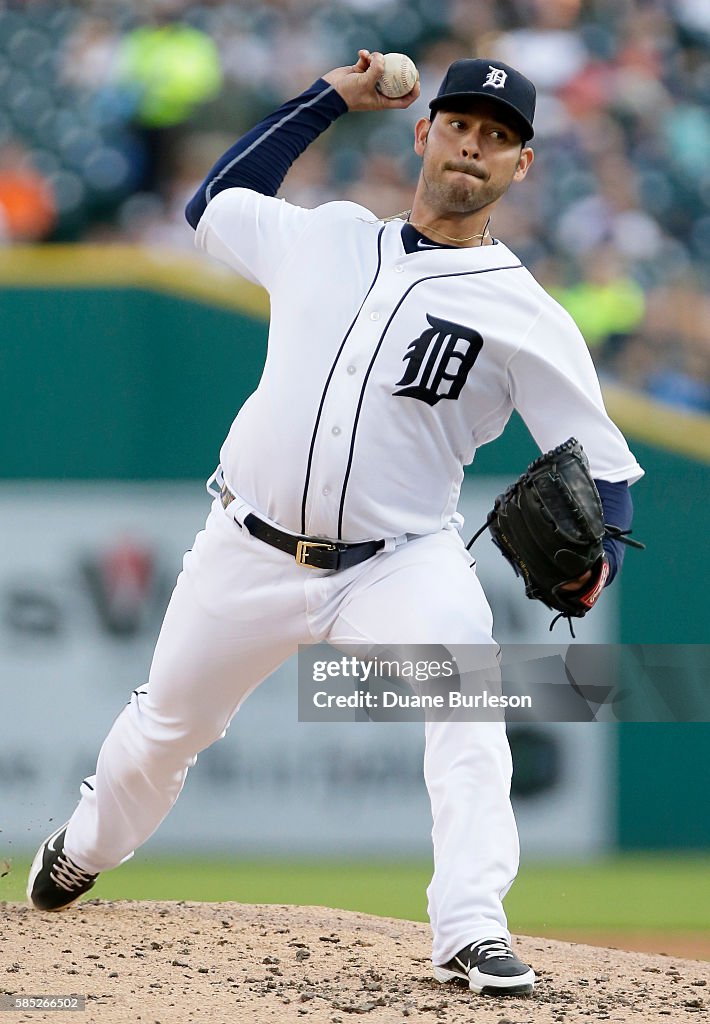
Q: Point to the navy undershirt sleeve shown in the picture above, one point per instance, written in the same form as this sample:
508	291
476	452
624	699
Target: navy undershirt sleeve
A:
618	511
260	159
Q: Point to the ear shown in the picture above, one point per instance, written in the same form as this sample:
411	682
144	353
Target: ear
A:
421	130
524	161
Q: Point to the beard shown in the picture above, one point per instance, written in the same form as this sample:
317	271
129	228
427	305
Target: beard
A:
462	195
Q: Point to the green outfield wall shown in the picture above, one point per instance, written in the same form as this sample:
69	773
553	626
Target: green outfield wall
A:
120	365
117	384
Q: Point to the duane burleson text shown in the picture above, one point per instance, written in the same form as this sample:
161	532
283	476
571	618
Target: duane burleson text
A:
391	699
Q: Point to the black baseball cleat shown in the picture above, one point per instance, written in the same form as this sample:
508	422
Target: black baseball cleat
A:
491	968
55	881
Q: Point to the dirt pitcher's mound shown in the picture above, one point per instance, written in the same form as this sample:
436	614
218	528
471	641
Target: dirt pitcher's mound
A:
176	963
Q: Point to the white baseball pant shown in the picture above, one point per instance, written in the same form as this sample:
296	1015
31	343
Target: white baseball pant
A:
239	610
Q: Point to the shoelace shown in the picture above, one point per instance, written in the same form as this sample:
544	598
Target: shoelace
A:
490	948
67	875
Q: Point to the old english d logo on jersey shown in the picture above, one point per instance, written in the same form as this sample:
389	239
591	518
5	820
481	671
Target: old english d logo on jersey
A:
440	360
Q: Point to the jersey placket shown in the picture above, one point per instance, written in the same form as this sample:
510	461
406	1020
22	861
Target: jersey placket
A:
336	435
355	373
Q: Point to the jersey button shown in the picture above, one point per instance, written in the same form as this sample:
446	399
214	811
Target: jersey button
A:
351	370
374	316
399	270
335	431
326	491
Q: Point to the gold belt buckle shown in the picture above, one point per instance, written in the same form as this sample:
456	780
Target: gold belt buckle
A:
302	551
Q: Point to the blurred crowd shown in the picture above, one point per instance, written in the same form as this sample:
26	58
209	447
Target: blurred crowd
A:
112	111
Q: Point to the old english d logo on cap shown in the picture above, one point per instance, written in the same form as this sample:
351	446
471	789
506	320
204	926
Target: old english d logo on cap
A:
468	79
496	78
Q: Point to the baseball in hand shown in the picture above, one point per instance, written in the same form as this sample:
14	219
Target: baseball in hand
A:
399	77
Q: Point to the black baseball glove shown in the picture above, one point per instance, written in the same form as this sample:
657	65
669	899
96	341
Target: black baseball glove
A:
549	524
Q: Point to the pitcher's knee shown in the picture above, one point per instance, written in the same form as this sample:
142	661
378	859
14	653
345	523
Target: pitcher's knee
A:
176	730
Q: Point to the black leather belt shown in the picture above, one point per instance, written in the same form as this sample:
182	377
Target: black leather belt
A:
312	552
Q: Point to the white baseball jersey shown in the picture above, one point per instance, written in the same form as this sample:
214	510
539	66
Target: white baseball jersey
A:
387	370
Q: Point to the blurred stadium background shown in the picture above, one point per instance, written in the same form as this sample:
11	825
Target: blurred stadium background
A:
124	359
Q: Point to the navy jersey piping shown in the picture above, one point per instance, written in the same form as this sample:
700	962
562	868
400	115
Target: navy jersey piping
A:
327	384
270	131
431	277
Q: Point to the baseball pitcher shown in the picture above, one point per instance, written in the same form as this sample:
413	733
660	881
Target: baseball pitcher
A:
396	349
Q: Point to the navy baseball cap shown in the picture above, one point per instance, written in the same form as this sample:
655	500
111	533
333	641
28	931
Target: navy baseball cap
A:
468	79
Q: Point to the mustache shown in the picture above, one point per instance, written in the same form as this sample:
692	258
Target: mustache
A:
466	168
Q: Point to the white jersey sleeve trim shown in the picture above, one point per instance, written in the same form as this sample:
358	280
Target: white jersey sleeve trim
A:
631	473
